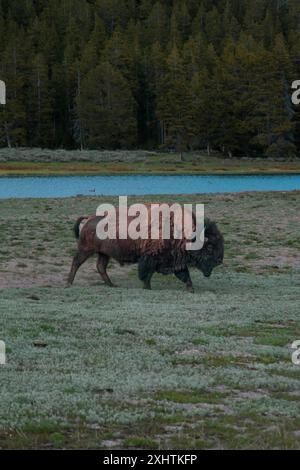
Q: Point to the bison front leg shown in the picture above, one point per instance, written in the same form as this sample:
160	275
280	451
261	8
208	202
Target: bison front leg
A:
102	263
184	276
147	281
146	271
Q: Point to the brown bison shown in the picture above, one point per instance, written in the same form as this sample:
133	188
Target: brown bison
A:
164	256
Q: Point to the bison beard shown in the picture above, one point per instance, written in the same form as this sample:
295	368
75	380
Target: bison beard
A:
161	256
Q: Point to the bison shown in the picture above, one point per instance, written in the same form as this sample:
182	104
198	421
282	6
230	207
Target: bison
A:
161	256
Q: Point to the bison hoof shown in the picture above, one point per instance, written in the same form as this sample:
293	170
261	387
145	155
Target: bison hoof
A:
190	289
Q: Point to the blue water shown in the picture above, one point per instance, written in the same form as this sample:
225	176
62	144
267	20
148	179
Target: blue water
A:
64	186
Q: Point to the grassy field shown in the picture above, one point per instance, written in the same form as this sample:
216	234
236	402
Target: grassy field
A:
94	367
23	162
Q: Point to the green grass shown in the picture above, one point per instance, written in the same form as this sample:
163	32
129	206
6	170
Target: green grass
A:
94	367
193	397
141	443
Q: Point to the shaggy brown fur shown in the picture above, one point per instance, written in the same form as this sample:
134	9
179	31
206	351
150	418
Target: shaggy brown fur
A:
163	256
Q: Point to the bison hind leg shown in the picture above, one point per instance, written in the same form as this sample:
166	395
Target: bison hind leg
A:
146	267
78	260
102	263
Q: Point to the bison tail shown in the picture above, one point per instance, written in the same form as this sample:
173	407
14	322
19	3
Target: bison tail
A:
77	226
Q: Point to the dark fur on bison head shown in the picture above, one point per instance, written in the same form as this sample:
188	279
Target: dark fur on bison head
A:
212	253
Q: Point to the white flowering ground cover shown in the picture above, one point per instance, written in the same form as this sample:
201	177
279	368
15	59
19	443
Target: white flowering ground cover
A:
94	367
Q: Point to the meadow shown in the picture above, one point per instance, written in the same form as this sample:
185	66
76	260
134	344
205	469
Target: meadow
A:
27	161
96	367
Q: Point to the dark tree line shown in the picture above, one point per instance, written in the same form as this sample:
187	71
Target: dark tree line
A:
183	74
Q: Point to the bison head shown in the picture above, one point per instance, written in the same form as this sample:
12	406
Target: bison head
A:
212	253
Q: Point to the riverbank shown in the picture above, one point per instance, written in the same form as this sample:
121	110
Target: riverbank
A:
35	162
94	367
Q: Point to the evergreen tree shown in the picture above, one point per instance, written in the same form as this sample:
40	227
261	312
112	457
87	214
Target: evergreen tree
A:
106	109
174	104
14	72
40	110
